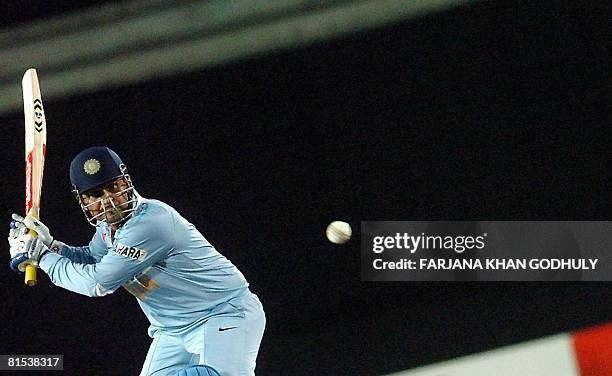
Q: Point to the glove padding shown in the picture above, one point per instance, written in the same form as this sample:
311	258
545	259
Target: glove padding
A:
27	249
31	223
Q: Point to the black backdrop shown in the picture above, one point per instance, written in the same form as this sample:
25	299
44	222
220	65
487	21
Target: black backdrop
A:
494	111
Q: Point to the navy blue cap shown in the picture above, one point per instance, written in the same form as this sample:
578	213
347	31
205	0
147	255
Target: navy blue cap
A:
93	167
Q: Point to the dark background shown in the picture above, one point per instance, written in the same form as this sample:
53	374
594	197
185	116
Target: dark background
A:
493	111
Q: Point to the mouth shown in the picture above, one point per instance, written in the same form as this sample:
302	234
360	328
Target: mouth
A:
113	213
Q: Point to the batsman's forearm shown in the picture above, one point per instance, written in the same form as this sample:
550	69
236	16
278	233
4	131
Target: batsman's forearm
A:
80	255
68	275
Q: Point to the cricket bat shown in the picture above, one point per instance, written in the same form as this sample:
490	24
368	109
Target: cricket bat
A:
35	150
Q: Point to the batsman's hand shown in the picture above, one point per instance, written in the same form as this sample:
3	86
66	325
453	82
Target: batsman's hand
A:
17	239
25	248
34	251
31	223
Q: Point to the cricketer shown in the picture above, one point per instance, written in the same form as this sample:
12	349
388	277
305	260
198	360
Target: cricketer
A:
203	318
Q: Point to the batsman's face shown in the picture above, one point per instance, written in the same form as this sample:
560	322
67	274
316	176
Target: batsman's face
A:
107	202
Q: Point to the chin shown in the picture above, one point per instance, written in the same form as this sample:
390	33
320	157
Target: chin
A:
115	218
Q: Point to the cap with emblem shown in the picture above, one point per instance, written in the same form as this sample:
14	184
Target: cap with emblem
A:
95	166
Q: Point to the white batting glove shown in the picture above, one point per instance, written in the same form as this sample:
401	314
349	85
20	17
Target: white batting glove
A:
36	249
28	250
31	223
21	225
18	243
17	240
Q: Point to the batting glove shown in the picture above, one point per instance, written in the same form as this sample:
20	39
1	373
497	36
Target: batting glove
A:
34	251
31	223
27	249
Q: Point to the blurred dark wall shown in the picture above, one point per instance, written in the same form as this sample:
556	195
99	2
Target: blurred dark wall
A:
494	111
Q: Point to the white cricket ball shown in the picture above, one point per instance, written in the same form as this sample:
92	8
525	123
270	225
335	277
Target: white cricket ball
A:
338	232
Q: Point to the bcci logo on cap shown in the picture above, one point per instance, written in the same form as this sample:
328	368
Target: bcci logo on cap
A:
91	166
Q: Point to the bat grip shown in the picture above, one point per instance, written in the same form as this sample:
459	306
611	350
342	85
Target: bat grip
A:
30	270
30	275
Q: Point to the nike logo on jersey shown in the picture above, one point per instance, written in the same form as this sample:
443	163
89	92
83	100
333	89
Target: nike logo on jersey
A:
130	252
224	329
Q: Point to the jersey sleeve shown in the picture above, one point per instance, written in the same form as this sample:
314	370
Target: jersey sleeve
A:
89	254
142	242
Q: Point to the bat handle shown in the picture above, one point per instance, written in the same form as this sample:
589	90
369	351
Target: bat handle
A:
30	275
30	270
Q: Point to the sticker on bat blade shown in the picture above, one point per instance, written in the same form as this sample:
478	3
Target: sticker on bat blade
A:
39	113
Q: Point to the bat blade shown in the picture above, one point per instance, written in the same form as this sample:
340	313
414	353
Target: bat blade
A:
35	151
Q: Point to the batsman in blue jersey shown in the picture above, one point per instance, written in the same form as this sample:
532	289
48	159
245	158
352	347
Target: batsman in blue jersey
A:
204	320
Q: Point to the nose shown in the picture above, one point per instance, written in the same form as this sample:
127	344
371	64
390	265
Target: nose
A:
108	199
106	193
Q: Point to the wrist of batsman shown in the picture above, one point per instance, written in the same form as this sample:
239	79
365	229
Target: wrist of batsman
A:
56	247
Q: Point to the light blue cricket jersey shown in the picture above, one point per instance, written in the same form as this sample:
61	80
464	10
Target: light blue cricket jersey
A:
178	277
